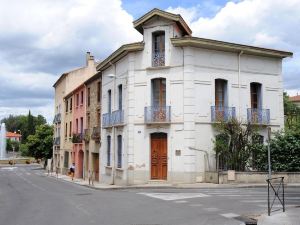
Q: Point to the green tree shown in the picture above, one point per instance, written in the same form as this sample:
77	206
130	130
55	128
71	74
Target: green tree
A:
291	113
40	144
25	125
232	144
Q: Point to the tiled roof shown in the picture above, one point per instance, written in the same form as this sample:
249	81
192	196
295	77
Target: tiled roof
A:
11	134
295	98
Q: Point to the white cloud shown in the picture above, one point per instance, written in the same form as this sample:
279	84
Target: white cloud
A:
39	40
267	23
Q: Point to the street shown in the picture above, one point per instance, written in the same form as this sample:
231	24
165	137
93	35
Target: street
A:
29	196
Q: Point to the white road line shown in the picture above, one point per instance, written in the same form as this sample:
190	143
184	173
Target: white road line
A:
174	196
180	201
211	209
230	215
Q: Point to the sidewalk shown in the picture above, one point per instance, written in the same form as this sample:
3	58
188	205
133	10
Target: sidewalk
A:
102	186
289	217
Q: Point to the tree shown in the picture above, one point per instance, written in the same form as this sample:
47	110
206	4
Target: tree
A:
291	113
232	144
25	125
40	144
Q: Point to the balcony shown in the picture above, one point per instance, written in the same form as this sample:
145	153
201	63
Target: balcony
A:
222	114
57	118
86	135
56	141
157	114
258	116
96	134
117	118
106	120
158	59
77	138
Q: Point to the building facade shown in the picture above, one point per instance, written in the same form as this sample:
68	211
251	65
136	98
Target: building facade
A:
93	123
162	96
64	86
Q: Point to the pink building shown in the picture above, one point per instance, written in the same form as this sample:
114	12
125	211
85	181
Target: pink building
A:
78	127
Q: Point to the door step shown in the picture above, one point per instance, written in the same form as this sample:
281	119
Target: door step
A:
157	182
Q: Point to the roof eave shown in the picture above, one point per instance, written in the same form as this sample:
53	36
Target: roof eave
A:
120	53
157	12
227	46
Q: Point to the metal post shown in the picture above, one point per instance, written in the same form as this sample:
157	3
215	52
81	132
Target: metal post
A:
269	153
283	205
13	155
269	210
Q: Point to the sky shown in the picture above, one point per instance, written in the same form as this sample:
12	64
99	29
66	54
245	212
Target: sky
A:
40	40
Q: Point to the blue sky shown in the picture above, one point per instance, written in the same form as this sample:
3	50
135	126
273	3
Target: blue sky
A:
51	37
138	8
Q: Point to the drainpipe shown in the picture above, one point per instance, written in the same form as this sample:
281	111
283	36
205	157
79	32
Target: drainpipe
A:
113	128
239	82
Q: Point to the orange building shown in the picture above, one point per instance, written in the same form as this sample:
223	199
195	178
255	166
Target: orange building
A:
13	136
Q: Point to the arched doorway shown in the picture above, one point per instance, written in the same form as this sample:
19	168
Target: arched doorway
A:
159	156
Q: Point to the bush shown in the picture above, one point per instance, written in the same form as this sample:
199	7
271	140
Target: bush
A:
24	150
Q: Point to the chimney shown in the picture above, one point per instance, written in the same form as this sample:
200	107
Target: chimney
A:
88	56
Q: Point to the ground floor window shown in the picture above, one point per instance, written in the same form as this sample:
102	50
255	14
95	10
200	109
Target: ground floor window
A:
119	151
108	150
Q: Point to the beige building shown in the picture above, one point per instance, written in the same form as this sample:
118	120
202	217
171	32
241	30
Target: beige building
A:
66	83
92	131
295	100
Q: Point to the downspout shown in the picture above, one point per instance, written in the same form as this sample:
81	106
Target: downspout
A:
113	128
239	82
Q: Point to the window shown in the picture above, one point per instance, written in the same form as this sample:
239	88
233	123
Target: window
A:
66	130
67	106
81	125
108	150
77	99
88	120
159	92
220	93
66	159
88	96
109	101
98	117
119	151
255	92
77	126
158	45
120	96
98	91
71	104
81	102
70	133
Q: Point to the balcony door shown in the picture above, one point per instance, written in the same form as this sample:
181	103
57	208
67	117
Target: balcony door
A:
159	156
255	92
220	98
158	58
159	99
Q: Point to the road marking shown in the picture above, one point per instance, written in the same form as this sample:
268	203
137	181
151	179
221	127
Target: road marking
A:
9	168
180	201
174	196
28	173
196	205
211	209
230	215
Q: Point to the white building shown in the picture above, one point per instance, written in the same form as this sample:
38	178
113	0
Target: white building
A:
161	96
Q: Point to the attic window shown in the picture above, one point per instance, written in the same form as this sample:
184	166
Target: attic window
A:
158	49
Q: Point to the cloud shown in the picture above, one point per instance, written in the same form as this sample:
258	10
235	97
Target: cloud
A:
268	23
39	40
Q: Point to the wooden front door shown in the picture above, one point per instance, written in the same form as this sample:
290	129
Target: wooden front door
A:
159	156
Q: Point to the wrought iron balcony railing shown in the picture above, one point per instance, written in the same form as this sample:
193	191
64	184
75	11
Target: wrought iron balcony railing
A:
106	120
96	133
158	59
77	138
258	116
117	117
57	118
56	141
158	114
86	135
222	114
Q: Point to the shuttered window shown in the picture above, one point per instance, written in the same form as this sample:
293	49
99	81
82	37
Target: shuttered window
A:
108	150
119	151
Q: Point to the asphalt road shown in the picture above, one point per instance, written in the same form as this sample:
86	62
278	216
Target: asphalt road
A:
28	196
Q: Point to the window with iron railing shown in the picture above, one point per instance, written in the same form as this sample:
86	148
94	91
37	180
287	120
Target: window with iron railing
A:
158	52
